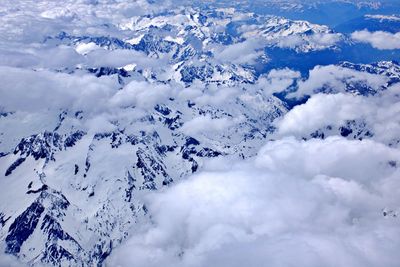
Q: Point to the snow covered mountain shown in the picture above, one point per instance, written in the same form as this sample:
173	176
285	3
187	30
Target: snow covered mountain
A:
105	103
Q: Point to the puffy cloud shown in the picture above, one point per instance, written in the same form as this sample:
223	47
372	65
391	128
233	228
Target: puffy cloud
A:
208	125
33	22
326	39
9	260
142	94
379	39
121	58
334	78
322	110
59	57
85	48
314	203
303	203
277	80
217	95
291	41
85	54
380	112
100	123
241	53
41	90
319	40
299	35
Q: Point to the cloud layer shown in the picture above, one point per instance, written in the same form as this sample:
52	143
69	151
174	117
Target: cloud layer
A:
314	203
379	39
294	200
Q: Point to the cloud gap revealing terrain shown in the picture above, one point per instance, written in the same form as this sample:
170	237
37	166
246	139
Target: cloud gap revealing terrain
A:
200	133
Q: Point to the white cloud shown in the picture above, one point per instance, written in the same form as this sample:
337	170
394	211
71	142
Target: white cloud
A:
9	260
291	41
207	125
217	95
315	203
119	58
58	13
382	18
381	113
334	79
59	57
299	35
326	39
379	39
241	53
142	94
323	110
316	40
85	48
277	80
33	22
41	90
